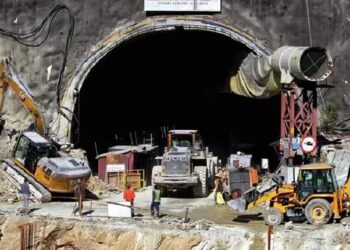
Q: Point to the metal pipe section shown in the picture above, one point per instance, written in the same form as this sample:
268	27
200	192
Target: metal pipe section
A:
263	76
303	63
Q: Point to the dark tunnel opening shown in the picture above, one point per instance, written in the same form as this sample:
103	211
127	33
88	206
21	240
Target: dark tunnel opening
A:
176	79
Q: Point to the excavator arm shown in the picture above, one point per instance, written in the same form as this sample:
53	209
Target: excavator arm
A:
9	80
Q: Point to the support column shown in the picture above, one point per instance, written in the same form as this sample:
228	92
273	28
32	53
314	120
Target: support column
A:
298	116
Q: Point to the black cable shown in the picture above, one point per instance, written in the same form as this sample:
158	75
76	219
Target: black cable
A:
33	38
27	38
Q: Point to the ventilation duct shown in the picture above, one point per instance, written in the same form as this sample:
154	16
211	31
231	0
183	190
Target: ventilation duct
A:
261	76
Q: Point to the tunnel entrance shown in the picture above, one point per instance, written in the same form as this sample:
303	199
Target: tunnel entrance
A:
177	79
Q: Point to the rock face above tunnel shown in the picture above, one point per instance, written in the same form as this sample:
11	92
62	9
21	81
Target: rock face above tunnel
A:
274	24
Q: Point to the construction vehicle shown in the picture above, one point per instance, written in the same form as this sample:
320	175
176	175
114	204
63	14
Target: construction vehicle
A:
35	158
315	197
242	178
186	164
241	175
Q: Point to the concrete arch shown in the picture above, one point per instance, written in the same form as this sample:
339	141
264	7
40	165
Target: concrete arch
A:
61	126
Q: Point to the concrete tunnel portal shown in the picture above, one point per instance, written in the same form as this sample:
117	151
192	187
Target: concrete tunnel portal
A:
175	79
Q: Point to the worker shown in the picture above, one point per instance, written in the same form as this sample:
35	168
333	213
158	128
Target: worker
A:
219	200
225	186
25	194
297	150
129	195
220	172
224	175
155	202
321	183
79	193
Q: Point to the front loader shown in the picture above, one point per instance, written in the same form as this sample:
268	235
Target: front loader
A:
315	197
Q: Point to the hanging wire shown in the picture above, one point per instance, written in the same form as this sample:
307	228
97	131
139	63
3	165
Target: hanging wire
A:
320	94
35	38
308	20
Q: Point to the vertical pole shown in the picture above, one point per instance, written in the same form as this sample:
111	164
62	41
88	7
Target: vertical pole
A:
30	236
169	141
131	141
314	118
135	133
96	150
186	214
80	200
291	123
22	237
269	232
283	128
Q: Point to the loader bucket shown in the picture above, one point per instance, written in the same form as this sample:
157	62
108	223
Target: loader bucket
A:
240	200
238	204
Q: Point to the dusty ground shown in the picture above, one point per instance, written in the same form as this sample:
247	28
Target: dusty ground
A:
210	227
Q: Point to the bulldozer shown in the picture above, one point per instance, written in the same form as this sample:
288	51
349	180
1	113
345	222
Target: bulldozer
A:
35	157
315	197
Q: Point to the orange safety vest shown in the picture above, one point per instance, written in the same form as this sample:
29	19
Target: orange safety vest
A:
129	195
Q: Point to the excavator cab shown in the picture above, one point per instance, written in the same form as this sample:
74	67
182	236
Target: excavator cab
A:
30	148
316	181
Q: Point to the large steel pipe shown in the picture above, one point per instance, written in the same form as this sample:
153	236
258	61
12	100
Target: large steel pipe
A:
262	76
303	63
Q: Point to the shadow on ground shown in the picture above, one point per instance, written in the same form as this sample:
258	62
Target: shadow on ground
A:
246	218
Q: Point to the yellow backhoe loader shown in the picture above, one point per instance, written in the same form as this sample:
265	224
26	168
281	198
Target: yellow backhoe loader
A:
35	157
315	197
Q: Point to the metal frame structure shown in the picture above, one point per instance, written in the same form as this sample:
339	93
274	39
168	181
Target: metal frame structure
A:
298	115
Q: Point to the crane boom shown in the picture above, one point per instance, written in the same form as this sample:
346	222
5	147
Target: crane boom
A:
26	98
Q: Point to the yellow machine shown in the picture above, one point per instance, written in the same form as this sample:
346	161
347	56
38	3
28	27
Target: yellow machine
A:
315	197
34	157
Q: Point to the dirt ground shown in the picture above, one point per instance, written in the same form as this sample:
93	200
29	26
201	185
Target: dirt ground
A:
209	226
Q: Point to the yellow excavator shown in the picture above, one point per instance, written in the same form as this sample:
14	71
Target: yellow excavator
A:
34	157
315	197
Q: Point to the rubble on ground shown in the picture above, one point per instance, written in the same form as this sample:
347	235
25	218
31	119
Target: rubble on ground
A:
99	187
338	154
8	193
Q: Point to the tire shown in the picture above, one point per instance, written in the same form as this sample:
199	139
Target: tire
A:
201	189
156	170
273	216
318	212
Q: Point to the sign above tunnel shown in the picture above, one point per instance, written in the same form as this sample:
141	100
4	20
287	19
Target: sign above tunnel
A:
183	5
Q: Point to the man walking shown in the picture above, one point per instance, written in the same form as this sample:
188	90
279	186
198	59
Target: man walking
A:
155	202
129	195
25	194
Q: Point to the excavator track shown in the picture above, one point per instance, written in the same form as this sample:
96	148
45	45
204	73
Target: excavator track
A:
16	176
